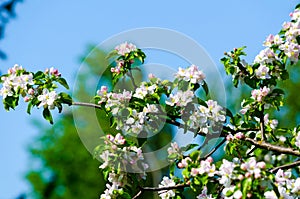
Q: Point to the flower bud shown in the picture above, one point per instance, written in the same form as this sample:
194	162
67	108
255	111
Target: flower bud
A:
26	99
30	91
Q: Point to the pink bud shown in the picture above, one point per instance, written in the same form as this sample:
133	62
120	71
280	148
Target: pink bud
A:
249	195
194	172
26	99
180	165
151	76
248	175
244	167
240	177
30	91
239	135
210	159
112	70
114	147
261	165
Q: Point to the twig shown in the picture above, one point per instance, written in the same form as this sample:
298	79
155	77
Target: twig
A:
154	189
262	124
214	149
137	195
86	104
132	79
286	166
268	146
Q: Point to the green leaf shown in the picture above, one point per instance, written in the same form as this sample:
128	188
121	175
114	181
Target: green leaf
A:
63	82
39	75
189	147
205	87
47	115
29	107
195	155
65	98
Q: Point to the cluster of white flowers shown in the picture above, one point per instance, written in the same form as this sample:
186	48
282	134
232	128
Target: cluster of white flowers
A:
119	67
297	142
204	117
139	121
259	94
204	195
226	172
181	98
115	182
272	123
47	99
266	56
144	90
192	74
287	187
166	182
205	167
114	101
253	168
15	81
118	153
125	48
174	149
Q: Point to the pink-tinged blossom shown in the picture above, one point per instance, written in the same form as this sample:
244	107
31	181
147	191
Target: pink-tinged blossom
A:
262	72
105	157
297	142
6	91
125	48
283	177
181	98
204	194
296	186
174	149
14	69
265	56
184	162
54	72
226	172
259	94
166	194
272	123
295	15
191	74
253	168
47	99
270	195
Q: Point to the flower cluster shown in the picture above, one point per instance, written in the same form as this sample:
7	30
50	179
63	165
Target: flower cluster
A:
18	81
181	98
144	89
125	48
192	74
47	99
117	152
287	187
204	117
166	182
259	94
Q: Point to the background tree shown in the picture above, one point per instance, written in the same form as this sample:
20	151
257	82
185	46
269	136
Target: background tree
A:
7	11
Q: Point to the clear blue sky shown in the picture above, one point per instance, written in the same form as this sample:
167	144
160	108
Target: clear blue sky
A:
55	33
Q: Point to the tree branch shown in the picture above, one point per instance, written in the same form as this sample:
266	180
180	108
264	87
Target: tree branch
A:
268	146
262	124
86	104
154	189
285	166
214	149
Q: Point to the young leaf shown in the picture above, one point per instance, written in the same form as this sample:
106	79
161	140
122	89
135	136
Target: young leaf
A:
63	82
47	115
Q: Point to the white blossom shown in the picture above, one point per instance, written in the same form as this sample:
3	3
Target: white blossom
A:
47	99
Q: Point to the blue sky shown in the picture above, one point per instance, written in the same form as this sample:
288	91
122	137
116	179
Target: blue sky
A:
56	33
